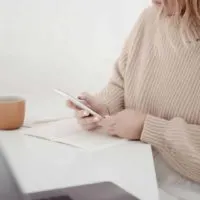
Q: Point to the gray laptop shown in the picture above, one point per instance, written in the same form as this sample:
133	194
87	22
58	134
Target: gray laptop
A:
10	189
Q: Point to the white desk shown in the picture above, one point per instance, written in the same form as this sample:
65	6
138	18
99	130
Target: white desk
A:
42	165
46	106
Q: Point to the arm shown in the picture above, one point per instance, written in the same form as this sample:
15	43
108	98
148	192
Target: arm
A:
113	94
177	141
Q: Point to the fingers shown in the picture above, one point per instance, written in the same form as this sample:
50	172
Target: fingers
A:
82	114
84	96
108	121
109	125
87	97
71	105
89	127
87	121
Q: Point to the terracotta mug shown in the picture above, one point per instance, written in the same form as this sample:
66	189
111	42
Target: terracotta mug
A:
12	112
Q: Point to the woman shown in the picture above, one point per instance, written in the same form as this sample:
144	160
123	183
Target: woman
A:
154	93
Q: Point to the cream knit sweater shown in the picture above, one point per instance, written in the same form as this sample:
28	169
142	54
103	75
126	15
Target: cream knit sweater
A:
158	74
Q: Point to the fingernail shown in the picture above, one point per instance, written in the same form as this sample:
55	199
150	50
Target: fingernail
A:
85	113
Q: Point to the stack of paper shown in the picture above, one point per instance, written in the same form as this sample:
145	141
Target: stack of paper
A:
69	132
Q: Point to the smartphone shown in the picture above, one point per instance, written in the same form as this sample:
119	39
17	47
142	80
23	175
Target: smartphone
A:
77	102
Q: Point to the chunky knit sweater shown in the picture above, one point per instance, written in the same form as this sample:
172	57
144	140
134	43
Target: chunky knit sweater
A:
158	74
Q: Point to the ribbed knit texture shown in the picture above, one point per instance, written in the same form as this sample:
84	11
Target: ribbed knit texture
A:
158	74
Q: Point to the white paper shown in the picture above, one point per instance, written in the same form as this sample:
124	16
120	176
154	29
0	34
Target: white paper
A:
69	132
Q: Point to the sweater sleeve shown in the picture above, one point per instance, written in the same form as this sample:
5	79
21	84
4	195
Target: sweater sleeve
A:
177	141
113	94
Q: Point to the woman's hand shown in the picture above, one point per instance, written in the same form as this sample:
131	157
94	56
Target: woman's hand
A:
84	118
125	124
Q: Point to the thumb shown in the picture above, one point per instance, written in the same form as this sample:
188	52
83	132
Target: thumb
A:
87	97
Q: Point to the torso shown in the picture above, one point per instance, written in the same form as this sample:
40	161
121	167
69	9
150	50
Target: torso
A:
164	80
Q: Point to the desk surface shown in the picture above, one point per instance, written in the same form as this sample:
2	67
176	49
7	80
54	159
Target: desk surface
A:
42	165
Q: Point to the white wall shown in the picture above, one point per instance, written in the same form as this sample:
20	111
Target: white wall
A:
62	43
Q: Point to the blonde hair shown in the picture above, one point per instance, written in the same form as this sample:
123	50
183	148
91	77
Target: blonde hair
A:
188	12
